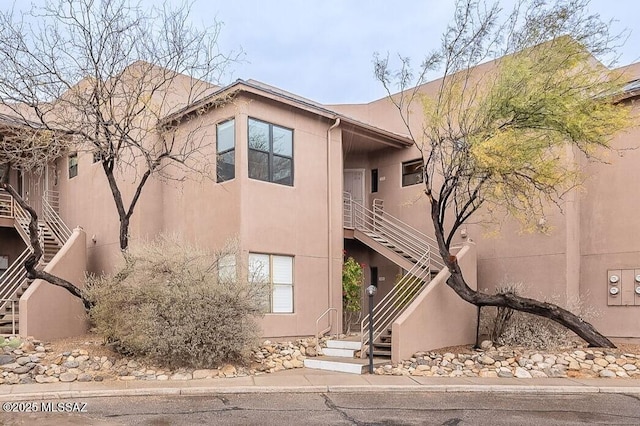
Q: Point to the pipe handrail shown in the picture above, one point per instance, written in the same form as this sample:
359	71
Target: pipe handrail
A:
57	226
6	205
394	302
318	332
13	314
13	278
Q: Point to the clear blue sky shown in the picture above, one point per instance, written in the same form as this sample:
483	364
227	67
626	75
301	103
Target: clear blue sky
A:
323	49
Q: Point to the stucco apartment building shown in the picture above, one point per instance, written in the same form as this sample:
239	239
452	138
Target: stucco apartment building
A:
298	184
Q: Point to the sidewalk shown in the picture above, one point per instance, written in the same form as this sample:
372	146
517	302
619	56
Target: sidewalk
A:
314	381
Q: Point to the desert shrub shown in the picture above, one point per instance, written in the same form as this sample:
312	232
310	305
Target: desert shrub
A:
504	326
178	305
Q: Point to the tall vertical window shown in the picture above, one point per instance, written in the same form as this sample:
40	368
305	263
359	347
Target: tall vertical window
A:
270	152
226	150
276	272
374	180
73	165
412	172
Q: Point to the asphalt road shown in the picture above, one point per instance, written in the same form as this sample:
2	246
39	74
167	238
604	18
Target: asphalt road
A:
370	408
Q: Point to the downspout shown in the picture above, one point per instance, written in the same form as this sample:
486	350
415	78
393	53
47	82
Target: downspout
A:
329	219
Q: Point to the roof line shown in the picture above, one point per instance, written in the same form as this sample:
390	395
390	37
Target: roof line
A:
260	89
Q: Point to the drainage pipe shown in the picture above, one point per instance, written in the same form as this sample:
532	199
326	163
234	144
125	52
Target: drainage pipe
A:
330	219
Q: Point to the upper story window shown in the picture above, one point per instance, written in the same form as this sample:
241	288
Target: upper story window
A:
270	152
226	150
73	165
412	172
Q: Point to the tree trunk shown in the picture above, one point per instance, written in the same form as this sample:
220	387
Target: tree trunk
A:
523	304
32	261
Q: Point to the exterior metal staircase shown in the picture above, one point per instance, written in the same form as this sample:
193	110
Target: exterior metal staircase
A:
53	233
403	245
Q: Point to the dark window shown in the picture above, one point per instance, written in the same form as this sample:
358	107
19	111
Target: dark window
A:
374	180
412	172
226	149
374	275
270	152
73	165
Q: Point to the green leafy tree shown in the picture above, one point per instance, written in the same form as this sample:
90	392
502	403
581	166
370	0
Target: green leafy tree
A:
352	279
504	136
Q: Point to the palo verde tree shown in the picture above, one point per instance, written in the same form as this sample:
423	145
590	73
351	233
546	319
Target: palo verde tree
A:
25	146
500	136
104	73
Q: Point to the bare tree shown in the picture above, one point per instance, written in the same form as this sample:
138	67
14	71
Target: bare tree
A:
29	149
105	73
496	136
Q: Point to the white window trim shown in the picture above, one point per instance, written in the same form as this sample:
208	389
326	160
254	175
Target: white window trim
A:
273	285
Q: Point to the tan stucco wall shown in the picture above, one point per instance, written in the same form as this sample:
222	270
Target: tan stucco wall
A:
51	312
265	217
610	230
438	317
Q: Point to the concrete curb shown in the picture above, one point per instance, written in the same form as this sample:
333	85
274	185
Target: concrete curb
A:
214	390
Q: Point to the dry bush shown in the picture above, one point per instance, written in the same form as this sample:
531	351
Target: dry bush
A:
178	305
505	326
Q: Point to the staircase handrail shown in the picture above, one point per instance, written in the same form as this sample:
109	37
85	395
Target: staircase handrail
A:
396	300
51	217
412	241
13	313
6	204
432	242
321	333
23	218
13	278
372	222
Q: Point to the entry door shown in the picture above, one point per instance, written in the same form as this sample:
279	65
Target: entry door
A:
33	190
354	184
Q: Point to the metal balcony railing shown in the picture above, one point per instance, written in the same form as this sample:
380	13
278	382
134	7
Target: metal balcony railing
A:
394	234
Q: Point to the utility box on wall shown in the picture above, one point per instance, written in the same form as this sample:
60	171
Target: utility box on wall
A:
623	287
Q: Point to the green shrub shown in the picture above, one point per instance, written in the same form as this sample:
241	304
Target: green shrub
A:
352	280
178	305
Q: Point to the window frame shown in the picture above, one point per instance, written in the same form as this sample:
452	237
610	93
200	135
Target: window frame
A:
419	172
72	169
219	154
271	155
271	284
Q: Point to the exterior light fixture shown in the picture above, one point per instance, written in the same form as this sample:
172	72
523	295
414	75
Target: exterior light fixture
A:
614	290
638	278
613	279
638	290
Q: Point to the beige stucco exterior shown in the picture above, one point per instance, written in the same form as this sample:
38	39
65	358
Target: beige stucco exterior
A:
596	231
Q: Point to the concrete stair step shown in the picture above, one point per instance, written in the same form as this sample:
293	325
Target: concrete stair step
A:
343	365
344	344
339	352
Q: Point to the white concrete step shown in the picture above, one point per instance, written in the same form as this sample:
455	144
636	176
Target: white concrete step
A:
339	352
342	365
344	344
